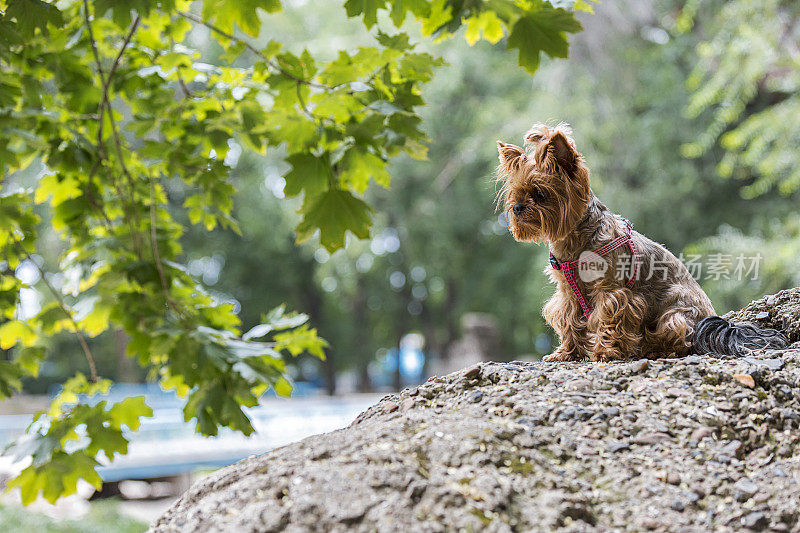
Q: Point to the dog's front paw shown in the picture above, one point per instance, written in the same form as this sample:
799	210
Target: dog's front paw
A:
561	355
608	355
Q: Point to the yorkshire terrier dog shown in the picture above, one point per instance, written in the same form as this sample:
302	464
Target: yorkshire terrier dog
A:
619	295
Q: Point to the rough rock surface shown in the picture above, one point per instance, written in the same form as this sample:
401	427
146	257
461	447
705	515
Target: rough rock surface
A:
692	444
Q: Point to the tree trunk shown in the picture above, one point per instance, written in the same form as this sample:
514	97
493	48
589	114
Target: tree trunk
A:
126	372
313	306
330	374
400	331
359	308
451	322
364	381
432	348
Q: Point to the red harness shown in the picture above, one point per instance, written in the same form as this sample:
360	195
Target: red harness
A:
569	268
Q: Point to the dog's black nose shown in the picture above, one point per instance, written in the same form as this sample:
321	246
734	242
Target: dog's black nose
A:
518	208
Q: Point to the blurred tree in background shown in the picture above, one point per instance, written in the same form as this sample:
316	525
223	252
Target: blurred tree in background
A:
746	95
747	83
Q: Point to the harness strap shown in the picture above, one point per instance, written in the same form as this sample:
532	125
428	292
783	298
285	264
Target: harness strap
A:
569	268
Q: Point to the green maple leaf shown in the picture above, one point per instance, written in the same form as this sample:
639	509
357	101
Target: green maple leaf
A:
243	13
486	23
29	484
15	331
338	105
282	387
367	8
61	189
121	9
233	416
129	411
59	477
440	14
107	440
284	126
79	466
333	214
9	36
10	375
359	166
542	30
32	14
400	41
299	340
418	8
309	173
341	70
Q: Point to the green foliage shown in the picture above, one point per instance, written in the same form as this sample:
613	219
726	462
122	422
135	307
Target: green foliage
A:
745	91
544	30
746	87
244	13
114	129
533	26
31	15
65	442
334	212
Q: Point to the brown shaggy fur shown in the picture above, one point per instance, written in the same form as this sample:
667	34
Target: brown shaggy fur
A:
548	182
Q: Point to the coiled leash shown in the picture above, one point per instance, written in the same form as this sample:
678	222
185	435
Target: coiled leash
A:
569	268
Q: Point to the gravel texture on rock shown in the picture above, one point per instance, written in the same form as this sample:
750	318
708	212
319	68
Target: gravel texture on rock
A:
698	443
780	311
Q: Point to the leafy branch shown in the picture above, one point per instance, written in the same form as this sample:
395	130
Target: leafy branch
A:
105	104
87	352
268	60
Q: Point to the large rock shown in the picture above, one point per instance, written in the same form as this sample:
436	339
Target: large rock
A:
691	444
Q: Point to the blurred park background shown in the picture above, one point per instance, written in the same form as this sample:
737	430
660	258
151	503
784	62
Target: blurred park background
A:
688	114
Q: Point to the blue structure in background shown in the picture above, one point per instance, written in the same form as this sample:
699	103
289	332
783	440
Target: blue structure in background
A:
412	366
166	446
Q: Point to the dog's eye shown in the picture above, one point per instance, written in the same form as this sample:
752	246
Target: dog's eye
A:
538	195
535	137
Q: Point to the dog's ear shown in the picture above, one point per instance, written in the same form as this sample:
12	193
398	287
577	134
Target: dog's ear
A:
511	156
536	134
560	148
